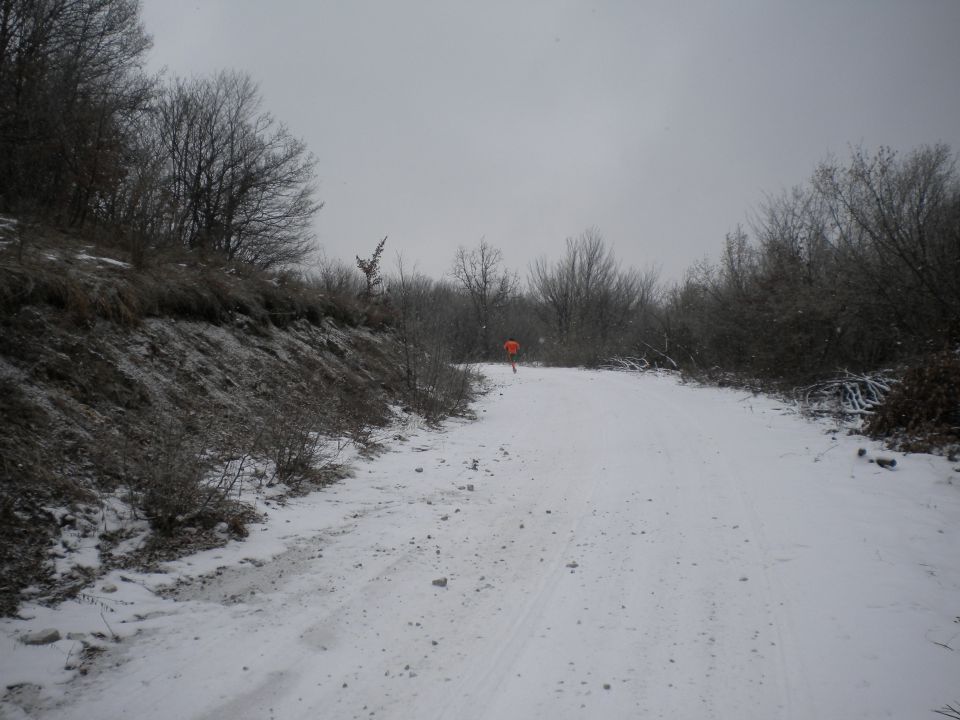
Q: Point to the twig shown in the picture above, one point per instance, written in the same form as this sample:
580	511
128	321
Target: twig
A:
116	637
817	458
663	354
66	662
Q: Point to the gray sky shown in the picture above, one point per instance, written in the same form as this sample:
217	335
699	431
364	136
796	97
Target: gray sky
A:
661	123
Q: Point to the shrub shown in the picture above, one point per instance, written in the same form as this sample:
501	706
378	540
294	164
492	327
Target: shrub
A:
923	410
170	484
294	440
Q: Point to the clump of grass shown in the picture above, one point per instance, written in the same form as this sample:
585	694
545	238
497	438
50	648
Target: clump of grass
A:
173	285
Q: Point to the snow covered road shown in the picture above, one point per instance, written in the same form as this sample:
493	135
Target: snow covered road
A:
614	546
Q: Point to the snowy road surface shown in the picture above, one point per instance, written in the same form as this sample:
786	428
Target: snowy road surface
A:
630	548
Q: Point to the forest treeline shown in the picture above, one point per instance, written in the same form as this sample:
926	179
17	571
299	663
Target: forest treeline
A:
857	268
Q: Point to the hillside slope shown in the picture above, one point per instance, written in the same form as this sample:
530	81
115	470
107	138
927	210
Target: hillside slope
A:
132	395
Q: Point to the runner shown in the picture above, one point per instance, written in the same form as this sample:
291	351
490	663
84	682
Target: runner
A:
512	347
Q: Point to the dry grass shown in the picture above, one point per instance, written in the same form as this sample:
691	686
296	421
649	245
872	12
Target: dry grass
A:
174	285
28	485
106	391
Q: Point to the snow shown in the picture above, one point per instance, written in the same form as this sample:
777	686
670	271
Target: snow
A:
79	542
106	260
632	547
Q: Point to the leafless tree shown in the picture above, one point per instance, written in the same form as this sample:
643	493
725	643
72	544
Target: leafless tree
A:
481	274
858	269
236	182
900	219
587	298
71	88
435	386
338	278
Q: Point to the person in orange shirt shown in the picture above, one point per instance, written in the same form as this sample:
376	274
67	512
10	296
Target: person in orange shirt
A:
512	347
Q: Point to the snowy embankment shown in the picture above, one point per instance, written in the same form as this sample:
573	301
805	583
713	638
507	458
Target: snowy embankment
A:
612	546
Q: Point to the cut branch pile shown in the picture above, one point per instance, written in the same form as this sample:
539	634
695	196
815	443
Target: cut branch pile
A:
626	364
849	394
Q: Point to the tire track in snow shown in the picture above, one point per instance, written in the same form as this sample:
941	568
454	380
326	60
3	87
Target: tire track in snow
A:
695	627
482	679
788	673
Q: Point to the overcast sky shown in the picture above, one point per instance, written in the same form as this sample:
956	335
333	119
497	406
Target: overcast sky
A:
660	123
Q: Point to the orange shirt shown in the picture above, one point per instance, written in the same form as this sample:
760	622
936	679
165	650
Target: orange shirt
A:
511	346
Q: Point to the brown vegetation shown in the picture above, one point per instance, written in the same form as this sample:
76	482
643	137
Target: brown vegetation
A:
923	410
174	388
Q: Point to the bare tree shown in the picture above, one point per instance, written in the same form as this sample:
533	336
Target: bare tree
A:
71	87
856	270
588	299
338	278
900	219
489	286
236	181
435	386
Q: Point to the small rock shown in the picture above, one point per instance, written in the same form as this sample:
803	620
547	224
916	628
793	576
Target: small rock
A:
885	462
444	517
861	452
419	469
41	637
440	582
573	564
606	686
470	487
108	588
744	578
